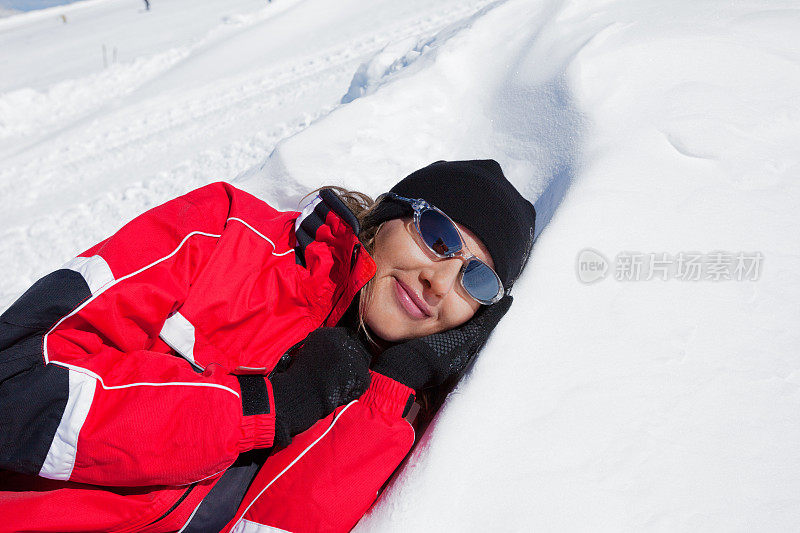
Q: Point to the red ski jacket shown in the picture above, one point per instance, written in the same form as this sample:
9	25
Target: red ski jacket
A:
133	381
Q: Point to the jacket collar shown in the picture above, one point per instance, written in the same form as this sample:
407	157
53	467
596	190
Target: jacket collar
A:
362	269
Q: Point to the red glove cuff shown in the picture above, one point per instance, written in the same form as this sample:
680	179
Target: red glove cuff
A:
387	395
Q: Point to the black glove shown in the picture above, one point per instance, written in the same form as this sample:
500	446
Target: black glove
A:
429	361
330	369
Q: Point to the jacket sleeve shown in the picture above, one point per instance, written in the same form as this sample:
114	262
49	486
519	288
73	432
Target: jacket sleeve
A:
86	395
330	475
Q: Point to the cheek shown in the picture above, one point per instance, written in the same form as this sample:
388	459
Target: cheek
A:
456	311
381	315
396	249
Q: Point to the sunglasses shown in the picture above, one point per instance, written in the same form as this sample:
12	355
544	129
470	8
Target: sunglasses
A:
441	236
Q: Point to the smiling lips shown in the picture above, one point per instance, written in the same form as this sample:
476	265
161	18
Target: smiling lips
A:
410	302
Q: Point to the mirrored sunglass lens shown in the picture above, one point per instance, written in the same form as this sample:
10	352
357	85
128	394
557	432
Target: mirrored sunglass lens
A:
480	281
439	233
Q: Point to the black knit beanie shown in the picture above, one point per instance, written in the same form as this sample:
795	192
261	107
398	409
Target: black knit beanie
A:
478	196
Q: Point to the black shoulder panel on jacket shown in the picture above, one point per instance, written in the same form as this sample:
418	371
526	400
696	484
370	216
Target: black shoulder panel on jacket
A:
33	395
41	306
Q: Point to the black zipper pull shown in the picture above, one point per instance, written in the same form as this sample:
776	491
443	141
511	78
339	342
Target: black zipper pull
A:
286	359
354	256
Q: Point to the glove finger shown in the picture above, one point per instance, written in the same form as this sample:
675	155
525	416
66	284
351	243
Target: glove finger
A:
345	392
470	338
362	385
476	330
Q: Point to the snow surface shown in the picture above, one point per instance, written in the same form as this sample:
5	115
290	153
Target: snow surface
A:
30	5
650	405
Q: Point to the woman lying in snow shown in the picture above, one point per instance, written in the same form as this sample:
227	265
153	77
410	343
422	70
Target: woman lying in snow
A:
217	365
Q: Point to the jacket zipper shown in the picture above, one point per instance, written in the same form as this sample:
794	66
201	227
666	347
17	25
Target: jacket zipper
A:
174	505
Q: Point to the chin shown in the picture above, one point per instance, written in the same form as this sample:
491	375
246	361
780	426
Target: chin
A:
386	330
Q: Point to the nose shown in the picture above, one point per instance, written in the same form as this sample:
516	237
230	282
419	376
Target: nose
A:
439	277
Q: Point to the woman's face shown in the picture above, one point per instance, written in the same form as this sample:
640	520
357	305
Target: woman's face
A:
414	293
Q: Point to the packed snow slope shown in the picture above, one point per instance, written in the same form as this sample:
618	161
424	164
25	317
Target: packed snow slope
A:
666	405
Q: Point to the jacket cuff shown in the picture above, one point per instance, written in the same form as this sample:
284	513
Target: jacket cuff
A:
258	413
388	396
258	431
